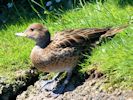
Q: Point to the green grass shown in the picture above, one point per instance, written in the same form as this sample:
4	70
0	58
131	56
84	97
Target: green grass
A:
113	58
14	51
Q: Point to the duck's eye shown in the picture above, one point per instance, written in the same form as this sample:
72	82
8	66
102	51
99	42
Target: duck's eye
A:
32	29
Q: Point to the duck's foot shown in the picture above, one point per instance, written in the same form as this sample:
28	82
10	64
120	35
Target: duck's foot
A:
49	85
61	89
57	91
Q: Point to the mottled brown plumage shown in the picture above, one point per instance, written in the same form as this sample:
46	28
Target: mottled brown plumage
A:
63	52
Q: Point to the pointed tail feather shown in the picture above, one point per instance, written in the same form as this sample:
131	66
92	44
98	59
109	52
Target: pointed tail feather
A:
114	31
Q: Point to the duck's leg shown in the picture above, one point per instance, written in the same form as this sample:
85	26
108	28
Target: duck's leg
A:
56	92
50	84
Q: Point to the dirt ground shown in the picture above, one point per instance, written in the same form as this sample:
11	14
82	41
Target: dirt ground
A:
91	89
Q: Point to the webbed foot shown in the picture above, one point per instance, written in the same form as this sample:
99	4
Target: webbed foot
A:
61	89
49	85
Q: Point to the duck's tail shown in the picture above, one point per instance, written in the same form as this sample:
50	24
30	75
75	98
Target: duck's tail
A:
112	31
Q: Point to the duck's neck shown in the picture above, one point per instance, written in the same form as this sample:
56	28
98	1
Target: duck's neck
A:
38	49
43	41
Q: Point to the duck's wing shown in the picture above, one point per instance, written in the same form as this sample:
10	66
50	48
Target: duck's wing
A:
79	37
75	37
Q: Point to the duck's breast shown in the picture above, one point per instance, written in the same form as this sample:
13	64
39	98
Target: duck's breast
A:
54	59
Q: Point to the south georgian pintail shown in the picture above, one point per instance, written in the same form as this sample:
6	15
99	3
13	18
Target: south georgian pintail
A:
64	51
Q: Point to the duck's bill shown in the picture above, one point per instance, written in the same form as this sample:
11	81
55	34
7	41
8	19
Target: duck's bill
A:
21	34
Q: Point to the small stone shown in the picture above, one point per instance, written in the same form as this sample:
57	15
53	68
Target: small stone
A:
93	83
119	93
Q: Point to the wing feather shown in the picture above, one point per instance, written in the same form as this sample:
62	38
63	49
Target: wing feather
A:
75	37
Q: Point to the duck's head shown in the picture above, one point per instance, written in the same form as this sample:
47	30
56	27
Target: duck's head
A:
37	32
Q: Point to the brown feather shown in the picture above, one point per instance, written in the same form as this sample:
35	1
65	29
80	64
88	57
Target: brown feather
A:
77	36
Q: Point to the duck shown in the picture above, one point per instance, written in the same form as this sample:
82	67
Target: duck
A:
63	52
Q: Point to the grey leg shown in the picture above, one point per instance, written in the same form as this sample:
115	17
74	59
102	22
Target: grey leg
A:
61	89
56	76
